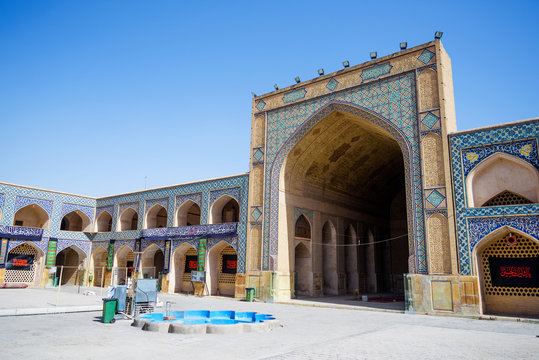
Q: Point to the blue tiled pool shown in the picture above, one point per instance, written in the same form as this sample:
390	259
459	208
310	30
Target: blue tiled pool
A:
195	317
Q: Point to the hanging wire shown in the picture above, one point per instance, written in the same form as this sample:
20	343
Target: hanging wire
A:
365	244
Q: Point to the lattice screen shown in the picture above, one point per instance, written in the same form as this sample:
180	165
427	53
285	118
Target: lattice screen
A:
187	276
507	198
225	278
22	276
522	249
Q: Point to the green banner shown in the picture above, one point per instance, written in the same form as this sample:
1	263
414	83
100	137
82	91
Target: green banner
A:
110	257
167	257
3	253
201	254
51	253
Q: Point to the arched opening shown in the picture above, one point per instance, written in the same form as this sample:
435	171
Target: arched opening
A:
76	221
225	210
304	273
128	220
222	261
33	216
499	176
507	263
70	265
100	266
188	214
185	261
349	169
104	222
153	261
125	262
303	228
157	217
24	264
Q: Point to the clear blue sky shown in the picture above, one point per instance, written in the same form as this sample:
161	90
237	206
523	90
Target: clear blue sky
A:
96	95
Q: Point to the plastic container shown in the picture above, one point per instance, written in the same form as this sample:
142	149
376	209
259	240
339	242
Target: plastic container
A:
249	294
110	305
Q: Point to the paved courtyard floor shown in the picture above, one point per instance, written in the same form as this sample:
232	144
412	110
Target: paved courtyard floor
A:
307	333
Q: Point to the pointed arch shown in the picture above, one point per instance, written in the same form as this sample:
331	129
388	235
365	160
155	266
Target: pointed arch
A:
125	262
224	210
72	260
103	223
222	267
33	216
30	271
302	227
180	271
494	253
99	257
76	220
128	220
152	262
303	269
498	173
156	217
188	214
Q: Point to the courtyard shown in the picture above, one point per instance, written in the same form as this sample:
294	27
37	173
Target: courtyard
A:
307	332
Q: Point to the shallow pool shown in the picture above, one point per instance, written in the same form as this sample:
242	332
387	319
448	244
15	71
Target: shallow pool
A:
195	317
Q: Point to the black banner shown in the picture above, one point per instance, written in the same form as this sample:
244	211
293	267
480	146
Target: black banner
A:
514	272
230	264
19	262
191	263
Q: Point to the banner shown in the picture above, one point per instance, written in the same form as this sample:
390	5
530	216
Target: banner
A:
20	232
514	272
19	262
166	257
201	254
191	263
230	264
3	253
191	232
51	253
110	256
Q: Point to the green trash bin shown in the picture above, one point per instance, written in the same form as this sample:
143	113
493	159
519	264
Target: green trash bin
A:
249	294
110	305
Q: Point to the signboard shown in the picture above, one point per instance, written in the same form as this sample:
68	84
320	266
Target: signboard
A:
230	264
19	262
199	276
514	272
191	263
51	253
201	254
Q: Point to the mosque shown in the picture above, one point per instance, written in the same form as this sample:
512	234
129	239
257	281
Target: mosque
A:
358	182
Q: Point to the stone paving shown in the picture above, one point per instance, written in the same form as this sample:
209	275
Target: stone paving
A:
307	333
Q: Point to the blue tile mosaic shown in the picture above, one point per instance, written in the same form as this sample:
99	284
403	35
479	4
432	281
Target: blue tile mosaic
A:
22	201
435	198
332	84
260	105
294	95
430	120
426	56
258	154
376	71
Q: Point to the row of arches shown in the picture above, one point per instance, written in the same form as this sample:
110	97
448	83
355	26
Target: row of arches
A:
221	267
225	209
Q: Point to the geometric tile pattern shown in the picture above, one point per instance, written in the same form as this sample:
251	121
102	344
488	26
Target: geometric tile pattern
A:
389	103
21	202
435	198
258	154
109	209
196	198
256	213
67	208
525	150
2	199
426	56
260	105
430	120
232	192
294	95
85	246
467	150
152	202
332	84
307	213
